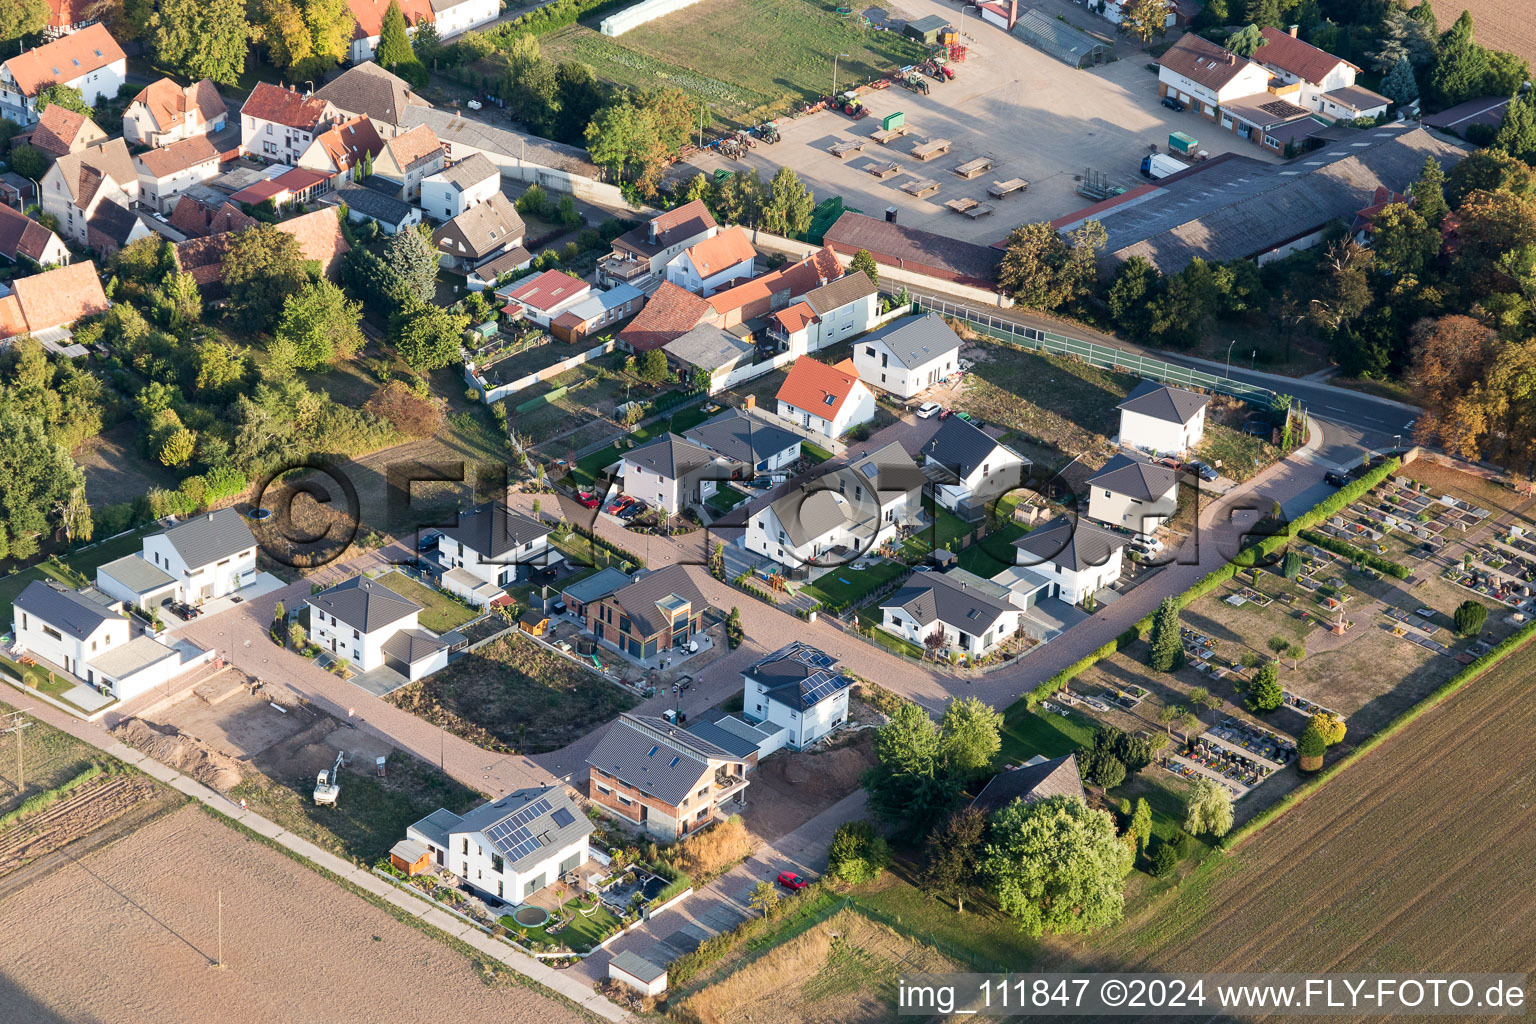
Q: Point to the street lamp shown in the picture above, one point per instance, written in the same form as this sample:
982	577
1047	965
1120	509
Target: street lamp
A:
1229	357
834	73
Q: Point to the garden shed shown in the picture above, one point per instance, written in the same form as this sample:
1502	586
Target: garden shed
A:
926	30
1060	40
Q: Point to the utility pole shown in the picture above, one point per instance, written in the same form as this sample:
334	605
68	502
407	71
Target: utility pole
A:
834	74
15	724
220	965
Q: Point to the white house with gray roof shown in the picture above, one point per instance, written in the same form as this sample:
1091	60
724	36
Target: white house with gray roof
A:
497	544
363	204
1134	494
971	466
798	688
907	356
749	440
509	848
673	473
371	626
663	778
454	189
209	555
1161	419
972	614
1077	557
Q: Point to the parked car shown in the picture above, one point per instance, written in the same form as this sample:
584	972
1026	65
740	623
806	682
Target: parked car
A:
428	540
946	414
586	499
1335	478
1206	472
631	510
928	410
1148	546
761	483
1171	462
620	503
1173	103
792	881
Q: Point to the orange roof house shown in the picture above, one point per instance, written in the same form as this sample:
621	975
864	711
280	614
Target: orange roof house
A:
53	299
60	132
64	60
164	112
671	313
818	389
341	147
287	107
709	265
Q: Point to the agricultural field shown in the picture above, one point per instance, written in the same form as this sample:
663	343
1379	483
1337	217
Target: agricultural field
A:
50	758
751	59
1500	25
514	695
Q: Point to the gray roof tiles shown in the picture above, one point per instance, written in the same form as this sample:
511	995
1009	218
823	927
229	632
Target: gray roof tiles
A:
1032	782
364	604
743	437
961	445
1161	402
137	574
915	340
1135	478
470	171
798	675
372	91
656	757
492	530
636	966
837	294
671	456
207	538
709	347
371	203
455	129
413	645
957	598
62	608
481	230
1072	544
641	599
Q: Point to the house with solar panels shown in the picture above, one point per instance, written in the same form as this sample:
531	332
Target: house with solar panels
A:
799	688
508	849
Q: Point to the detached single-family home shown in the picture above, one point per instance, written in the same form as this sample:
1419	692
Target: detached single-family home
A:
672	473
167	172
79	184
452	190
799	688
410	157
480	233
368	22
367	90
545	296
974	467
826	315
708	266
1133	494
509	848
89	60
86	634
749	440
21	237
668	314
362	620
208	555
659	611
59	132
640	256
497	544
597	311
1037	779
714	351
972	614
584	592
663	778
1205	76
907	356
46	305
1162	419
164	112
829	400
363	204
1316	72
841	514
341	147
1079	558
278	125
453	17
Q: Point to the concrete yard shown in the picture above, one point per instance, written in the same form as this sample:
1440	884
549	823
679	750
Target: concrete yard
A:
1033	116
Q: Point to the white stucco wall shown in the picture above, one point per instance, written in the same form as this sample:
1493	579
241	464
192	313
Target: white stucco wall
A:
1141	517
1160	436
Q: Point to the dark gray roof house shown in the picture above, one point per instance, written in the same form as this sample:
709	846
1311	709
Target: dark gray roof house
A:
915	340
1039	780
709	347
363	604
373	204
745	438
711	733
798	676
62	608
207	538
413	645
962	447
1162	402
671	456
658	758
890	468
492	530
481	231
1072	544
837	294
649	600
597	586
969	603
471	171
369	90
1135	478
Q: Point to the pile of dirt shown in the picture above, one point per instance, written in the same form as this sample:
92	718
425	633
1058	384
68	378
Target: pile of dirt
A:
823	774
171	747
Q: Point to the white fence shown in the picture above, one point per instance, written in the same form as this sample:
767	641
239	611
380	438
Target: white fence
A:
490	394
634	17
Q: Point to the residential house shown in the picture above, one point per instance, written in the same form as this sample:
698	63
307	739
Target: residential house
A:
497	545
368	22
908	356
1133	494
974	467
1035	780
1352	102
66	16
480	233
59	132
452	17
318	232
209	555
408	158
777	289
46	305
488	274
1294	62
640	256
203	211
1077	557
89	60
672	473
364	204
542	297
113	227
973	615
367	90
1162	419
663	778
86	634
468	183
78	184
341	146
21	237
1205	76
579	595
799	688
509	848
278	125
597	311
1363	227
167	172
164	112
371	626
711	351
750	440
829	400
669	314
662	610
841	514
706	267
826	315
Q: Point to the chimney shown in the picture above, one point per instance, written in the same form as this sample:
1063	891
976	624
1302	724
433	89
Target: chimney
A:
1292	30
1013	13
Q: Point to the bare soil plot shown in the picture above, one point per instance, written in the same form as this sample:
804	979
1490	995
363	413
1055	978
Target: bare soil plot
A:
1503	25
296	947
50	758
792	787
77	814
116	470
514	695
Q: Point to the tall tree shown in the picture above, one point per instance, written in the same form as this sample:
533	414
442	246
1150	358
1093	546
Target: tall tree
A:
580	96
428	337
262	267
1056	866
1146	18
788	206
1166	652
1346	290
910	786
1400	86
36	472
1245	41
1517	129
970	736
1141	823
1402	241
19	19
1461	66
201	38
865	262
66	96
322	324
413	261
394	50
1263	13
279	26
1209	809
1045	271
952	856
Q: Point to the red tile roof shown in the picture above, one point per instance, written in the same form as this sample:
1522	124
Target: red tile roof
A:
168	103
817	388
58	129
179	156
66	59
345	143
417	144
319	235
269	102
1305	61
1202	61
795	317
195	220
545	291
59	297
812	272
369	14
21	235
64	13
725	250
670	314
684	222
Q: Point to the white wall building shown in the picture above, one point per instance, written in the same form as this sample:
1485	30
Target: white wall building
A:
164	112
277	125
710	265
1161	419
672	473
834	312
466	184
1079	558
496	545
1295	62
974	614
976	467
907	356
799	688
371	626
1134	495
209	555
89	60
1202	75
829	400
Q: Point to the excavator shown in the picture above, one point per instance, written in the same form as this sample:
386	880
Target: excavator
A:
328	782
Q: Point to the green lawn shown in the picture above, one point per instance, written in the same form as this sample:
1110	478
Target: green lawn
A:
815	453
85	562
439	612
725	498
993	553
581	551
846	585
1027	733
940	535
580	935
982	938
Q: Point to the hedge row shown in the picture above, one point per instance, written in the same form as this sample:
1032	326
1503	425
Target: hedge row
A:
550	18
1355	554
624	553
40	801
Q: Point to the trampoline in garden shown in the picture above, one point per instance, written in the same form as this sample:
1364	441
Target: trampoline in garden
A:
530	916
259	514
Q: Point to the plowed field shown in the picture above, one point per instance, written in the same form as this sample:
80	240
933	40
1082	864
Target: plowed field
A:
1499	24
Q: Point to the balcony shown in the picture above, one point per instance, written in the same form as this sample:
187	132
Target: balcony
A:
726	787
617	266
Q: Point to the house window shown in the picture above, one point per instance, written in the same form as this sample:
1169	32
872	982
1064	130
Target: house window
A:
356	635
497	864
465	848
51	632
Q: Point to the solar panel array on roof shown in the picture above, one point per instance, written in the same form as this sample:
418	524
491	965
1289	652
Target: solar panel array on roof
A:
820	686
512	837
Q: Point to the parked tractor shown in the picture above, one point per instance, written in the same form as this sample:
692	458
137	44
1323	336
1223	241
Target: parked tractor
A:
916	83
768	131
850	104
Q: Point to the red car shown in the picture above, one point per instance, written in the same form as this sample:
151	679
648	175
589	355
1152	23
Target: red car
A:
586	500
792	881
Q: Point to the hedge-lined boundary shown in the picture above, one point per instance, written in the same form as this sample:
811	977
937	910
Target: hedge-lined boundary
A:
1512	643
42	801
1355	554
1247	558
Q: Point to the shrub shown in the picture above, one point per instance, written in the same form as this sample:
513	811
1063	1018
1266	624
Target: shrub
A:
706	853
1290	568
1470	618
1164	860
857	854
1265	693
1309	748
